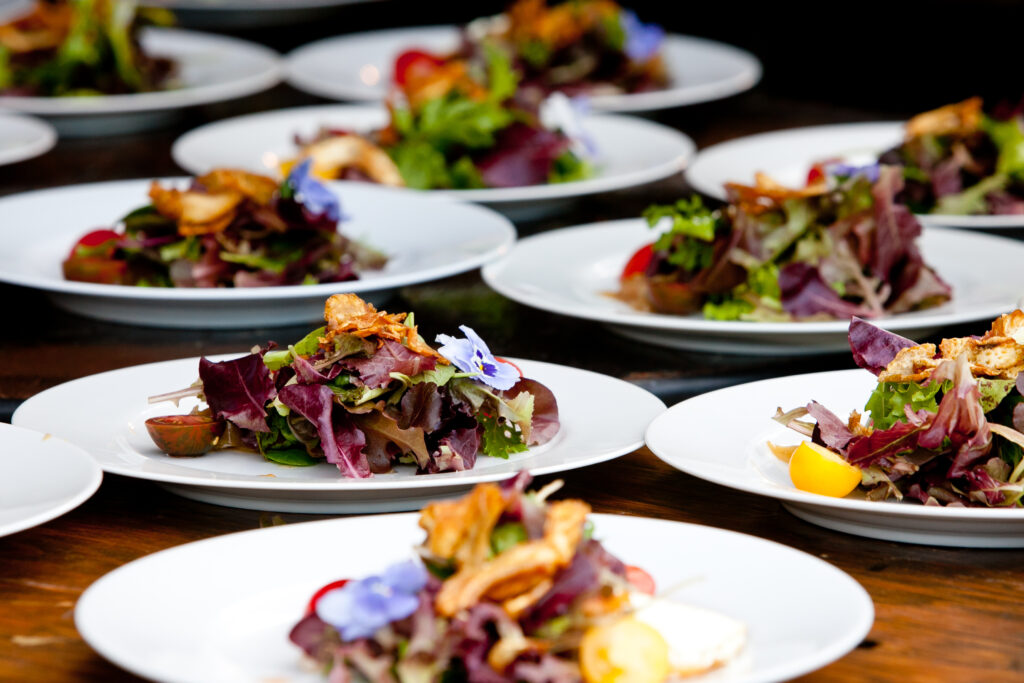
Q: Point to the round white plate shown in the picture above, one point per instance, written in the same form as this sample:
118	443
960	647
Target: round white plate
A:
570	272
721	437
787	156
632	151
425	238
601	418
246	13
224	621
359	67
211	68
41	478
24	137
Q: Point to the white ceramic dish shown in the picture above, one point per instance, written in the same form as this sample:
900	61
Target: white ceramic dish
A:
359	67
24	137
223	621
632	151
787	156
245	14
569	272
593	429
211	68
721	436
425	238
41	478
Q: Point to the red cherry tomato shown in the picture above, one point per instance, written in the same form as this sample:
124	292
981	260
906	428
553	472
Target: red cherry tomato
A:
816	174
184	434
95	239
311	607
105	271
638	262
508	362
640	579
412	61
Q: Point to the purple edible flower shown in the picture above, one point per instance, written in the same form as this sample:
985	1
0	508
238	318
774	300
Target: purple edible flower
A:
311	193
840	170
472	355
360	608
642	40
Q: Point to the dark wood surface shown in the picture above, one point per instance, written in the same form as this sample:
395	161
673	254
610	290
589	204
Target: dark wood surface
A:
941	614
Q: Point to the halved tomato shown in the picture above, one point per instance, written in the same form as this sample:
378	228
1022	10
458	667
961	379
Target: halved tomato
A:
413	62
105	271
640	579
311	607
185	434
638	262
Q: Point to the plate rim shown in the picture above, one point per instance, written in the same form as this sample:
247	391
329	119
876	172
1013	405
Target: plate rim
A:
235	294
163	100
715	191
666	98
855	631
685	145
343	486
88	487
45	141
491	274
802	498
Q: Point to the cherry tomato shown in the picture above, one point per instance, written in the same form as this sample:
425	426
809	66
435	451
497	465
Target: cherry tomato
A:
674	297
184	434
95	239
638	262
311	607
640	579
105	271
816	174
412	61
508	362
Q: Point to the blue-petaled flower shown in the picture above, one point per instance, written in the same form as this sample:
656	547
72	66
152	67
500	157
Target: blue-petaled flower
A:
642	40
840	170
559	112
472	355
311	193
361	608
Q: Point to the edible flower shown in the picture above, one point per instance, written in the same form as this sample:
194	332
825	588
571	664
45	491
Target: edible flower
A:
361	608
642	40
311	193
472	355
559	112
840	170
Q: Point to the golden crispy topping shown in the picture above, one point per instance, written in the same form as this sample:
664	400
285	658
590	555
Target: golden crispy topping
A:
428	84
259	188
461	529
44	28
953	119
999	354
513	576
348	314
333	155
766	194
559	25
212	210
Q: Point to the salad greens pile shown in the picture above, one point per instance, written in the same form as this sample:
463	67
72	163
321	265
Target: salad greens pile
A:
80	47
946	425
835	250
960	160
366	393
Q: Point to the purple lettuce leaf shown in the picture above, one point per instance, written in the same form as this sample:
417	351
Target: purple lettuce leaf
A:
832	431
307	374
461	448
545	423
422	407
375	371
582	575
342	442
314	636
884	444
981	481
805	294
874	348
237	390
896	228
960	418
522	155
471	636
917	286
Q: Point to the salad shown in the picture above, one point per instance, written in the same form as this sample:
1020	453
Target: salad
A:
81	47
458	125
959	160
944	424
364	393
838	248
228	229
509	586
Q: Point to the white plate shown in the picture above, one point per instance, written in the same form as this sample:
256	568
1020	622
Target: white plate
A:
721	436
219	619
211	68
787	156
632	151
359	67
246	13
601	418
41	478
24	137
569	271
425	238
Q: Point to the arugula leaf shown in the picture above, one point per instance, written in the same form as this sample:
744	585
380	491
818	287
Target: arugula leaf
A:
726	308
295	457
500	438
688	242
502	79
465	175
1008	137
189	248
422	165
887	401
279	438
567	167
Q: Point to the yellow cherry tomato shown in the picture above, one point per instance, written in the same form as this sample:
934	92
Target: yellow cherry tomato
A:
624	651
816	469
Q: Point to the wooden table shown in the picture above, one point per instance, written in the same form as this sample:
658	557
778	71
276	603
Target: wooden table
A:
941	614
